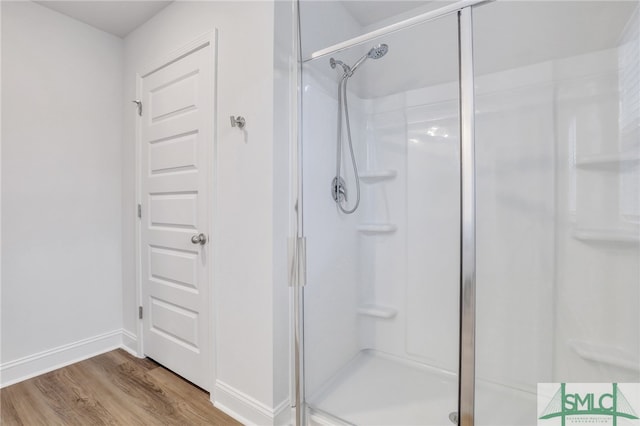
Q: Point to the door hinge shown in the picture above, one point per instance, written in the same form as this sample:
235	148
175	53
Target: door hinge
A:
138	102
297	261
139	312
140	211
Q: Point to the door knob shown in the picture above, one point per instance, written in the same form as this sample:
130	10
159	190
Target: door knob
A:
199	239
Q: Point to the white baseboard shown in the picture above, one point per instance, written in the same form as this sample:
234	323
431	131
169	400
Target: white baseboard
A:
283	414
130	343
246	409
33	365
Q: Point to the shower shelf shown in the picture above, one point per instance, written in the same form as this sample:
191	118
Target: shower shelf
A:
607	161
375	176
606	236
377	228
377	311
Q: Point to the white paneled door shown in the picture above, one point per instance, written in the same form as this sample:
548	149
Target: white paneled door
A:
176	144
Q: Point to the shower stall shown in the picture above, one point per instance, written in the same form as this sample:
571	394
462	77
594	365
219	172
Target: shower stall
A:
496	241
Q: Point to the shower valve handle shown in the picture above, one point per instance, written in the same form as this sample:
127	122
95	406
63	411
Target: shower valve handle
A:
342	192
338	190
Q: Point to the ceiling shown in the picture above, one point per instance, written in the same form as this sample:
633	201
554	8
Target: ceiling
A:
116	17
507	35
121	17
367	13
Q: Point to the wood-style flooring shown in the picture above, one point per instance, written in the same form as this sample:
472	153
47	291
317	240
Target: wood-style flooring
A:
114	388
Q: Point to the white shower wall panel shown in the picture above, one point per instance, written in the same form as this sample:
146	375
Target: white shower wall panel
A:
384	255
433	229
331	336
515	226
515	174
598	298
413	270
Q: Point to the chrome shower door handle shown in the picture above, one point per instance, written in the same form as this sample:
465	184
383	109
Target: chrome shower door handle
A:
199	239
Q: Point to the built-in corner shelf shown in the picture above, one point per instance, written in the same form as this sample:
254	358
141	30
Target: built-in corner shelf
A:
614	236
607	161
377	228
374	176
604	354
377	311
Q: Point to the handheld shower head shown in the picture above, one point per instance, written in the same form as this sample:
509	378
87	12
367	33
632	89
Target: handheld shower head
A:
338	187
376	52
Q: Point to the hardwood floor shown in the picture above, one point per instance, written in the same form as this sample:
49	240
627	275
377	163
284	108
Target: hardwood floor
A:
114	388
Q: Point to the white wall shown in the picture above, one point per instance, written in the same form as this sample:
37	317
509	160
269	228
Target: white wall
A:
61	188
324	23
250	263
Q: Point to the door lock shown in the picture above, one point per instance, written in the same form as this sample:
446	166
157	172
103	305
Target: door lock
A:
199	239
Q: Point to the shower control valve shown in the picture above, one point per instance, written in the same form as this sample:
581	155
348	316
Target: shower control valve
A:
338	190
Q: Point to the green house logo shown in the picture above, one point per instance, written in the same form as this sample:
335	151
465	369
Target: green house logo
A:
583	405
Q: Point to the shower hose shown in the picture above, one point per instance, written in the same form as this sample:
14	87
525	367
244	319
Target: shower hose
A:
342	100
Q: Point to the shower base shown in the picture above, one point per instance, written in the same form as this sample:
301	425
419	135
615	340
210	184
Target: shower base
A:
378	389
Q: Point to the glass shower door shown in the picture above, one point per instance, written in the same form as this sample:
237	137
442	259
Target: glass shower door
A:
381	302
558	214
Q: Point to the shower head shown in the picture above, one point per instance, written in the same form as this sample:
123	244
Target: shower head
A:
376	52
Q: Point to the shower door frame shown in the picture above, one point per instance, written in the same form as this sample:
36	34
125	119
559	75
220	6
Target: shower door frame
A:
297	278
